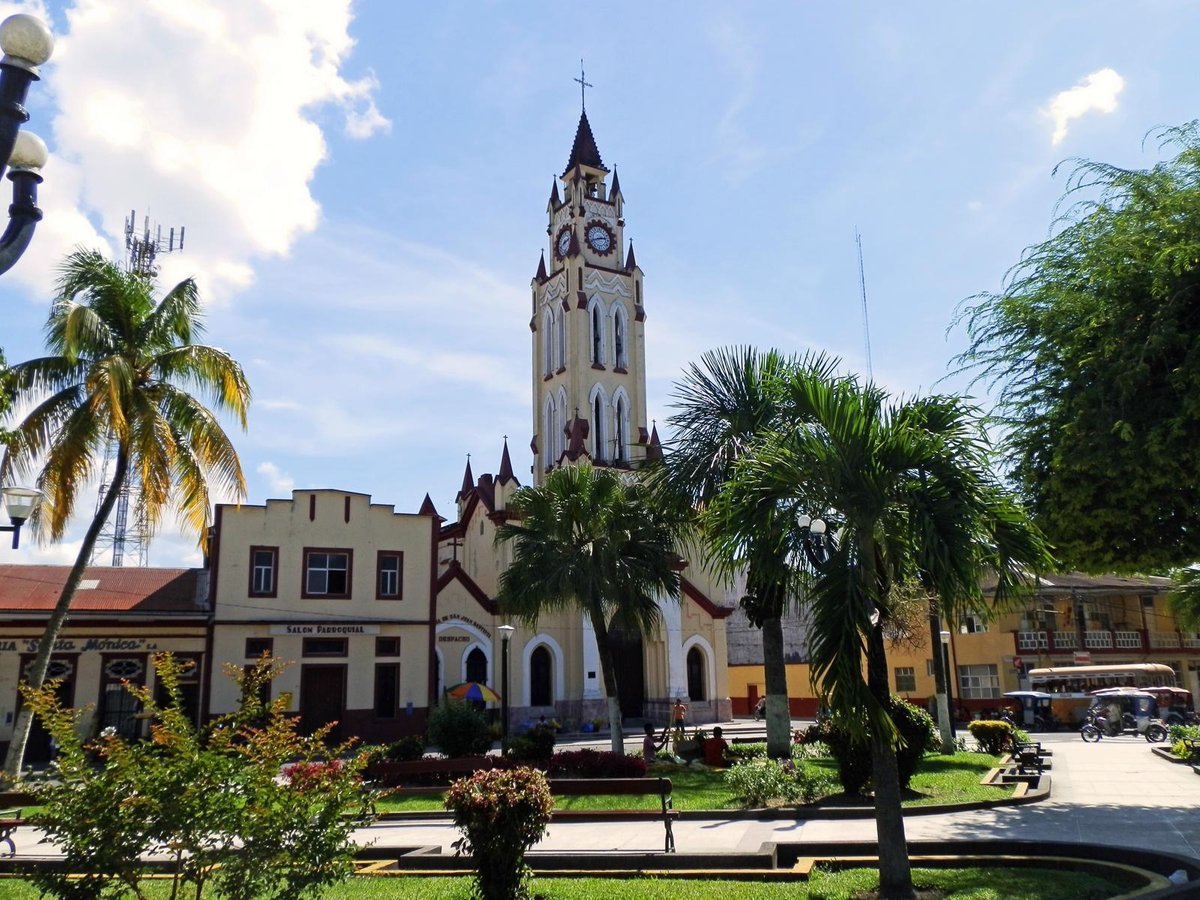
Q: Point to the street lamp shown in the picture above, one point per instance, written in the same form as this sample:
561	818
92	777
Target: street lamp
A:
21	503
27	43
941	677
506	633
945	636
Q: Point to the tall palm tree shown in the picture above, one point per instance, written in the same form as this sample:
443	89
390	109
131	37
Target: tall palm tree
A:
725	405
909	489
120	367
589	539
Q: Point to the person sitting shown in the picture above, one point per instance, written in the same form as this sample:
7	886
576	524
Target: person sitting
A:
714	749
649	744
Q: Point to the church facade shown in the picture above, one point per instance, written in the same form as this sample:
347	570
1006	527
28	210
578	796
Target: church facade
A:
377	612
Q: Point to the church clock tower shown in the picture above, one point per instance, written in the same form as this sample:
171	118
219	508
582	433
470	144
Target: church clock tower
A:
589	381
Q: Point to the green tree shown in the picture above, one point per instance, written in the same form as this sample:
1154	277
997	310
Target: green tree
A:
1185	598
1094	345
908	490
724	404
590	539
120	367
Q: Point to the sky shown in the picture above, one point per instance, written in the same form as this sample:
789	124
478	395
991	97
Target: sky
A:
364	188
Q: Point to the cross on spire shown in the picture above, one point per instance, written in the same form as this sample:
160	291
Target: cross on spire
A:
584	84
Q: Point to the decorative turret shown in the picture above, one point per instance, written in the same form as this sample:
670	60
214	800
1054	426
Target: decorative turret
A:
468	484
540	276
584	151
505	474
428	509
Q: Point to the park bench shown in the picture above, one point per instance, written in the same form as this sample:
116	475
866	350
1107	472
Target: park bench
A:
9	820
660	787
392	773
1192	747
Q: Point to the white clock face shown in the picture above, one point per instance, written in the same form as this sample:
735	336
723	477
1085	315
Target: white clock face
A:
599	239
564	242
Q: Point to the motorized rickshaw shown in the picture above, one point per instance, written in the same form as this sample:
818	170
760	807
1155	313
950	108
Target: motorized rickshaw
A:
1174	704
1120	711
1032	710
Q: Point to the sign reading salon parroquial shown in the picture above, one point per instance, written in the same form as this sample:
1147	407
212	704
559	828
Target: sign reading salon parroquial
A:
324	629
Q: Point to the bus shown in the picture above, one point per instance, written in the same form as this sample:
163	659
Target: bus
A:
1071	687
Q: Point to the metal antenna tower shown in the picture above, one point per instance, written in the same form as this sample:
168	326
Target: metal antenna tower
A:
862	283
126	533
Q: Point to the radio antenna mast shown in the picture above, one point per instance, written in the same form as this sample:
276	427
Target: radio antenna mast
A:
862	283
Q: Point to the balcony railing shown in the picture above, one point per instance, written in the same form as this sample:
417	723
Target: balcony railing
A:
1164	640
1029	641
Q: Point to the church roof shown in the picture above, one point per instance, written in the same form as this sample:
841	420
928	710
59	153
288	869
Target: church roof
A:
555	200
468	484
584	151
541	275
630	259
616	184
427	508
506	470
654	451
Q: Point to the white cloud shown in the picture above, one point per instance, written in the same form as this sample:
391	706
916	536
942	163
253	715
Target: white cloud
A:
201	113
1095	93
279	482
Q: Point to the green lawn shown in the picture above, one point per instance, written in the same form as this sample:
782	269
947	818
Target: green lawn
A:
939	779
959	884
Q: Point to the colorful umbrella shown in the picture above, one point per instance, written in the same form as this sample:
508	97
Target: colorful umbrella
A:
473	690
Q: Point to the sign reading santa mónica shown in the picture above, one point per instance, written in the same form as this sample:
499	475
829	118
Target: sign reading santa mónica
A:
324	629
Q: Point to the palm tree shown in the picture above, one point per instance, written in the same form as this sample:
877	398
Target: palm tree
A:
725	404
1184	600
909	489
119	368
589	539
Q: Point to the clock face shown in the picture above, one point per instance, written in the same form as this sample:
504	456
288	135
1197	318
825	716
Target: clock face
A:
600	238
564	242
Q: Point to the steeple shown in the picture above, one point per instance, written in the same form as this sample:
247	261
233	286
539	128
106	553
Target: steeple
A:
427	508
505	474
541	276
654	451
630	261
468	484
584	151
616	184
555	200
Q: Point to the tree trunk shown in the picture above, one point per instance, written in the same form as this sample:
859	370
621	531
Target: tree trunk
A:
779	719
41	662
608	671
895	872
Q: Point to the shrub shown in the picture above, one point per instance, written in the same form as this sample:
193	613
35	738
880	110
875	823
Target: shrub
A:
992	736
501	814
587	763
405	749
853	758
535	746
1177	733
746	751
459	729
761	780
918	734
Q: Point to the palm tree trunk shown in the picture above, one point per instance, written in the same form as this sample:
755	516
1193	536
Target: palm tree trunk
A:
895	872
41	662
779	718
608	672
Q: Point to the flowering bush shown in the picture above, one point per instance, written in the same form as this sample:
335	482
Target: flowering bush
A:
501	814
588	763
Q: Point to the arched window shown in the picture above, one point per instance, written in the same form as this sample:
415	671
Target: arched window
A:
560	425
548	439
541	671
547	343
562	341
697	683
597	336
477	666
621	422
598	421
619	356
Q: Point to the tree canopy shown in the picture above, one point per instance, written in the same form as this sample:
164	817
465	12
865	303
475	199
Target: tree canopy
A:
1094	345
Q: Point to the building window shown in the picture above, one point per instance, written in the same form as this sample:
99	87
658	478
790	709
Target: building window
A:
477	666
387	646
597	337
547	343
387	690
972	623
562	340
324	646
906	679
980	682
619	340
327	573
929	668
257	646
391	571
541	666
598	419
620	455
264	569
695	675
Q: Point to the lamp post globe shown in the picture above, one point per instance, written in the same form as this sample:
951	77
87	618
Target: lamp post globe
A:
26	39
20	503
506	633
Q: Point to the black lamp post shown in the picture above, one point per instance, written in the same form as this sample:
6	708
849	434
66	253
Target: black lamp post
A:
945	636
27	43
506	633
21	503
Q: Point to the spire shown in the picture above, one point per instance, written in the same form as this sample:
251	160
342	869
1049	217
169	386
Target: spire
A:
616	184
584	151
630	260
468	484
555	201
654	448
541	275
427	508
506	470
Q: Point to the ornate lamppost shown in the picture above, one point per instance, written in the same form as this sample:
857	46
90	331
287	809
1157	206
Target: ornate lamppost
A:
27	43
21	504
506	633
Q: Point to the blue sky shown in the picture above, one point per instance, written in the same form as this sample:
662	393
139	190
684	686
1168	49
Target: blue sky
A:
364	190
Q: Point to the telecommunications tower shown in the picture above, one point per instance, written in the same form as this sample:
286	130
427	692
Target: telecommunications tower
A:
125	536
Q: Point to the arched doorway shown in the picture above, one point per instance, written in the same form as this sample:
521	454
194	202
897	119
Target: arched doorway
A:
626	646
696	681
541	671
477	666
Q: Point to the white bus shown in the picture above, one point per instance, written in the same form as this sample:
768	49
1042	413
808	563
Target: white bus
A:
1080	681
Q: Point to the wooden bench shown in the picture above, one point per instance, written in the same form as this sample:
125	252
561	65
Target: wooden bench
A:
1192	746
9	820
394	772
660	787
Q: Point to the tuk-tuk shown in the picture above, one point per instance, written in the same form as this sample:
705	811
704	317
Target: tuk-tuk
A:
1117	711
1174	704
1032	710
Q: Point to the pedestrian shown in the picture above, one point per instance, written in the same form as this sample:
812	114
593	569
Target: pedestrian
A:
649	745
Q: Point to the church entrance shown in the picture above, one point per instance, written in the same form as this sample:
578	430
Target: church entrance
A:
629	654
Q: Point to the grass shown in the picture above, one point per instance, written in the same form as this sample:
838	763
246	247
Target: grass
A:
939	779
955	884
